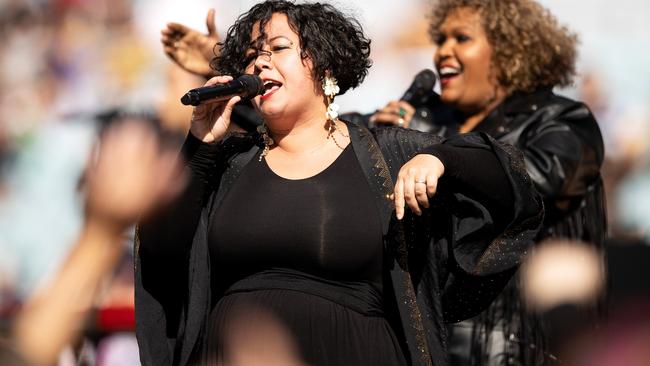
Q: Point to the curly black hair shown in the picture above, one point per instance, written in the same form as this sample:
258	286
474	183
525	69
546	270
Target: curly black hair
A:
334	42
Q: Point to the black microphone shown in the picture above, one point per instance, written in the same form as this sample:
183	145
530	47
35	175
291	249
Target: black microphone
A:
246	86
421	86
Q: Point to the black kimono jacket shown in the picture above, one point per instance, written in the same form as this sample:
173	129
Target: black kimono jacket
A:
447	264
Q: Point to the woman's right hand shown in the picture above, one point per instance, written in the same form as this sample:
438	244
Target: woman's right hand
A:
210	120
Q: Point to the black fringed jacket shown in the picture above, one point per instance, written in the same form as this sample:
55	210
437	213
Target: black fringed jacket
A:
447	264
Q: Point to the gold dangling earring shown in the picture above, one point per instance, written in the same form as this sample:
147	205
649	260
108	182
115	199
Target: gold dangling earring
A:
266	139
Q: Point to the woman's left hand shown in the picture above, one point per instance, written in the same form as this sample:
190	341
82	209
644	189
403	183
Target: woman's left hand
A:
191	49
417	181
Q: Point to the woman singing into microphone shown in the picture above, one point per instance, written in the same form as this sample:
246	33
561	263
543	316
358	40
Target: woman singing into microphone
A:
354	245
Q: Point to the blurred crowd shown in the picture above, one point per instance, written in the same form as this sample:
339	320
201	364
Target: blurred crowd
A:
71	69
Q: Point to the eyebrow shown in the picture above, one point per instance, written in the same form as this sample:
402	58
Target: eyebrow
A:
253	42
463	27
276	37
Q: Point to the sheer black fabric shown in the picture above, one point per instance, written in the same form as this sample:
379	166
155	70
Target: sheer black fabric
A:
326	225
310	256
447	263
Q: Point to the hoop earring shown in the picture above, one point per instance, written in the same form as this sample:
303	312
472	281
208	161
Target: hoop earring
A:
266	139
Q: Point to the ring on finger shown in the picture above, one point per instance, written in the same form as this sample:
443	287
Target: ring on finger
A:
402	112
400	121
421	181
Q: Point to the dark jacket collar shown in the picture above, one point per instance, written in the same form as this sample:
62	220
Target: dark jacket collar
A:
496	123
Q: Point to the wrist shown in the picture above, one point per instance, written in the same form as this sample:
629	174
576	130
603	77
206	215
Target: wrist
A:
103	229
435	162
202	136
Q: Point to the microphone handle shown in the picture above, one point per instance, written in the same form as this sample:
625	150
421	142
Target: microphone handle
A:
219	92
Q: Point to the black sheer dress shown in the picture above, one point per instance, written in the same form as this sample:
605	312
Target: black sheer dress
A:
324	257
305	255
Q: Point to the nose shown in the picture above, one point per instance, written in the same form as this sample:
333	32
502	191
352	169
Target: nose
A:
263	60
443	51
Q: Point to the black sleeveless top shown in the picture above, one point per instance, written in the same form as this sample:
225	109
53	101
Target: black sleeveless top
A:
303	257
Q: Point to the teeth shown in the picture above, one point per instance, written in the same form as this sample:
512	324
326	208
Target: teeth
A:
270	87
446	71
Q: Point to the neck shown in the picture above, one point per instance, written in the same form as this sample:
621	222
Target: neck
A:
474	117
300	135
472	121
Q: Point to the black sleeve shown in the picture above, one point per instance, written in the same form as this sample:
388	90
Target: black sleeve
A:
170	232
479	225
474	169
163	244
564	153
496	213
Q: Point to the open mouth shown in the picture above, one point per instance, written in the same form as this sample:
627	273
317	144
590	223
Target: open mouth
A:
270	87
447	73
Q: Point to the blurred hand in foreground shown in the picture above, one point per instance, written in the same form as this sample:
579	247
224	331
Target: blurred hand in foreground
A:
130	177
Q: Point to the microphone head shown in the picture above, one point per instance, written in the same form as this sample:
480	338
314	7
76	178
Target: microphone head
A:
425	79
423	83
190	98
253	86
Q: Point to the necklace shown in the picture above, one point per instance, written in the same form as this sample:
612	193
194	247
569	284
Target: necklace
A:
333	127
311	151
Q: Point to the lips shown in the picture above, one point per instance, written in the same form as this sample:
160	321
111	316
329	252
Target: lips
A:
270	87
447	74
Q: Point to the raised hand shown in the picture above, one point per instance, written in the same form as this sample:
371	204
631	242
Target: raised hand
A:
191	49
211	120
417	181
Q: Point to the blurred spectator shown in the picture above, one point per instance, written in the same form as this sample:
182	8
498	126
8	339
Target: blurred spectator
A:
560	278
633	198
131	176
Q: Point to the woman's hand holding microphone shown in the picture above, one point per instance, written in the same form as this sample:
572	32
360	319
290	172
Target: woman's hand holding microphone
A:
211	119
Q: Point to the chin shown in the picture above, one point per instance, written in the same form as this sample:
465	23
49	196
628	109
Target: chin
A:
449	98
270	112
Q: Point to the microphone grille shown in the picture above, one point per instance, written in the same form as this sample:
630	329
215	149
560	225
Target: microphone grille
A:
425	79
422	84
253	85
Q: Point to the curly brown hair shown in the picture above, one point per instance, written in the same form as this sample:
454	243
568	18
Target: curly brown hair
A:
530	49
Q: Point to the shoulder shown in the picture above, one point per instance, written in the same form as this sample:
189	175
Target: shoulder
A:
236	143
565	110
394	145
553	120
397	137
544	110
